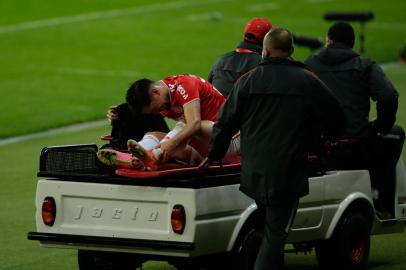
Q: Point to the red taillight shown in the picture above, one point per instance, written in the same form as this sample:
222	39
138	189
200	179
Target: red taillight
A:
178	219
48	211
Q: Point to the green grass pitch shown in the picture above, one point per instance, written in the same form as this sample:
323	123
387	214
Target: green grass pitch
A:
63	62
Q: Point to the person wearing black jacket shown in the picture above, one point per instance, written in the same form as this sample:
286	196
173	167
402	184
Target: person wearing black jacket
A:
128	124
231	65
355	80
275	107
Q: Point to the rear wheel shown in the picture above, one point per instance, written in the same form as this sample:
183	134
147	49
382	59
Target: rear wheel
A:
101	260
349	246
247	250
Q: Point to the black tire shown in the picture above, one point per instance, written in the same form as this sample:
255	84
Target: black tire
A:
101	260
247	249
349	246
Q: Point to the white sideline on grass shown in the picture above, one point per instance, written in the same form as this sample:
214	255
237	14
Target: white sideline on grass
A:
55	131
102	15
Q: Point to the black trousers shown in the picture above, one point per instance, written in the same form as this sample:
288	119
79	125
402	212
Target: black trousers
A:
382	168
278	220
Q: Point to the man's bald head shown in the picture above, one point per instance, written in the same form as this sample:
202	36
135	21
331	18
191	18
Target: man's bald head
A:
278	42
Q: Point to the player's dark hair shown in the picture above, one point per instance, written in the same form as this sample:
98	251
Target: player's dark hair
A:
138	95
342	32
282	39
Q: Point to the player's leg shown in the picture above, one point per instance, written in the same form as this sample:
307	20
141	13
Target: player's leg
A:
151	140
200	141
188	155
234	148
147	143
117	159
171	134
184	153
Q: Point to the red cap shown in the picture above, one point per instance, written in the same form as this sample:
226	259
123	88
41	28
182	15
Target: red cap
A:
258	27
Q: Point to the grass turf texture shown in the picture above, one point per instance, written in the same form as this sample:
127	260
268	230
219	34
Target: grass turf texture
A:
66	69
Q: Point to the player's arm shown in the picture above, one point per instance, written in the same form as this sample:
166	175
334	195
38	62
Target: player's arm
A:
386	97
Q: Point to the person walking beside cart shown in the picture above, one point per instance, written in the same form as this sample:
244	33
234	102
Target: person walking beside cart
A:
275	107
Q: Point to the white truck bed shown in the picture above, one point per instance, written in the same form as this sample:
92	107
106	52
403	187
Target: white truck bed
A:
103	212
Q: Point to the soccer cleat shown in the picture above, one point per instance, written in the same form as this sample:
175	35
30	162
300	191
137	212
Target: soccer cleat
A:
147	157
117	159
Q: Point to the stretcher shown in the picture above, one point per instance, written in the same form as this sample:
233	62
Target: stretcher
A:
174	169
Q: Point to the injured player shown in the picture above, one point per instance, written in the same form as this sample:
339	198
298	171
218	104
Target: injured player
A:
189	100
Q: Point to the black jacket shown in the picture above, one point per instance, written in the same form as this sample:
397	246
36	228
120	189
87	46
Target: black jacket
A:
132	125
275	107
230	66
354	81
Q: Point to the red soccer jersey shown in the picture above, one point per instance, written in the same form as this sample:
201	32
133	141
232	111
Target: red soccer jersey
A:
186	88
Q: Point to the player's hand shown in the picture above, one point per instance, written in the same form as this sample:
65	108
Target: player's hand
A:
112	114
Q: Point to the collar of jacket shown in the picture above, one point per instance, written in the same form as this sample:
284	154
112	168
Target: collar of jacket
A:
336	53
250	46
281	61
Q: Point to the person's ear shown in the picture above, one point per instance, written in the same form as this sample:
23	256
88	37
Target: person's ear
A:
266	52
263	53
292	49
